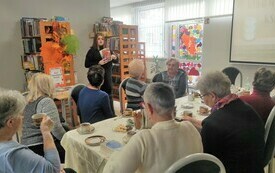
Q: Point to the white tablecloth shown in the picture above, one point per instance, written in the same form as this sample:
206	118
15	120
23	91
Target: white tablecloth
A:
89	159
183	101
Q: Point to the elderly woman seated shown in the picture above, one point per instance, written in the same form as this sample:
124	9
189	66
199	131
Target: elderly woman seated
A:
18	158
233	132
40	100
260	100
135	87
174	76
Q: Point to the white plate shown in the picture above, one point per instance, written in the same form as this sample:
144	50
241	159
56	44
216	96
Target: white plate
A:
87	132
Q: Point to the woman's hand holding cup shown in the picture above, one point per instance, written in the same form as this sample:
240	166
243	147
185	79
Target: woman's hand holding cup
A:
46	124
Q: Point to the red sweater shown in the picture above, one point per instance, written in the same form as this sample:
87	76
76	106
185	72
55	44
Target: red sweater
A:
261	102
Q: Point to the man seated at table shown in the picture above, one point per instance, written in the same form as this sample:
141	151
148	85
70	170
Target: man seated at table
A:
233	132
94	104
174	76
259	99
155	149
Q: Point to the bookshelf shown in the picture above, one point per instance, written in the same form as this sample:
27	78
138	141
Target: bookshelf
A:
38	33
122	40
30	34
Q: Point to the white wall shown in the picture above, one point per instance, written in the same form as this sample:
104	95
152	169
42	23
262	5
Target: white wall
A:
216	48
81	14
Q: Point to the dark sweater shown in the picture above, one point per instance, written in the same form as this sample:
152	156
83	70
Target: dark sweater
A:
261	102
235	135
92	58
94	105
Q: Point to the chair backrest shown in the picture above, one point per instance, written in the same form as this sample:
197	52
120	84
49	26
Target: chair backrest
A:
269	138
232	73
121	89
73	94
198	162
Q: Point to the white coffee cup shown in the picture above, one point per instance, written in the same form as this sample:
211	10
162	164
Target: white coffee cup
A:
37	118
85	127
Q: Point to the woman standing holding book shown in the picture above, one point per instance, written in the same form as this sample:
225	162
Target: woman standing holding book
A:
98	54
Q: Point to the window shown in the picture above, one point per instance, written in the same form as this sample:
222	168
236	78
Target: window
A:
150	21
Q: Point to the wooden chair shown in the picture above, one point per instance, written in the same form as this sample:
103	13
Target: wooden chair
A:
121	89
73	94
198	162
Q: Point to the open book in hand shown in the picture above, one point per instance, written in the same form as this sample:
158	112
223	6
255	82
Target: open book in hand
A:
105	54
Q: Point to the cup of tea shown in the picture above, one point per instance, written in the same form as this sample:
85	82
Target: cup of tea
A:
85	127
128	112
37	118
137	119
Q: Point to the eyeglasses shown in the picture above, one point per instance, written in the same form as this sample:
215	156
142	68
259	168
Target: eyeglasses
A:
202	96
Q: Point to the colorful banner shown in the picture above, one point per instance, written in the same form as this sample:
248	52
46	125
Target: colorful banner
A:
191	37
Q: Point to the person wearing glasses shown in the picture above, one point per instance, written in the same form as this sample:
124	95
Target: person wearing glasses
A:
155	149
233	132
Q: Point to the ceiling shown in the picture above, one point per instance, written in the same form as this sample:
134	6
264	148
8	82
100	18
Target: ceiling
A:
117	3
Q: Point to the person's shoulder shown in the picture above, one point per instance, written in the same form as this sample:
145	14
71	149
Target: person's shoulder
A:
46	100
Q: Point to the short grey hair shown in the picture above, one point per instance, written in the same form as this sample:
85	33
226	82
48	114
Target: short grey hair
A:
161	97
12	103
173	59
264	80
216	82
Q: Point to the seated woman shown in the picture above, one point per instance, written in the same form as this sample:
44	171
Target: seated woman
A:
233	132
94	104
40	100
134	86
15	157
174	76
260	100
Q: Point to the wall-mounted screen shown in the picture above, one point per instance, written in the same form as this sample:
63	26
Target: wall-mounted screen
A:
253	32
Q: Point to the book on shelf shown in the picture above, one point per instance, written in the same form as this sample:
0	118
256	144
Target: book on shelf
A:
31	45
32	62
30	27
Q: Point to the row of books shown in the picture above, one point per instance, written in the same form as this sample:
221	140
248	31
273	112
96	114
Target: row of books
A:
30	27
112	29
31	45
32	62
112	43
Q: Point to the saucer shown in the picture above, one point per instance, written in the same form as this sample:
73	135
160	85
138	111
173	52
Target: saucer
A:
86	132
95	140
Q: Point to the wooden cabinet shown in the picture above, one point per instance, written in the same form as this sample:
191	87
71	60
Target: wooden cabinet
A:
52	32
129	49
39	34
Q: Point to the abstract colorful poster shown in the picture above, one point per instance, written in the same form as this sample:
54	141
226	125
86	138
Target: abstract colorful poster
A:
191	37
192	68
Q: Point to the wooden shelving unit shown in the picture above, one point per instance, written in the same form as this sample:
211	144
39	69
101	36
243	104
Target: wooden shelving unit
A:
129	49
36	32
123	40
49	31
